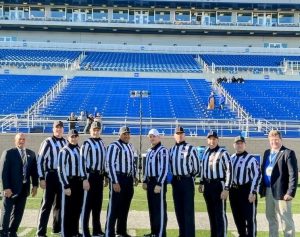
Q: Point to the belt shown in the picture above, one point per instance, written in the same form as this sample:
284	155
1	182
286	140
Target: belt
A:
99	172
124	174
75	178
179	177
152	178
237	186
213	180
52	170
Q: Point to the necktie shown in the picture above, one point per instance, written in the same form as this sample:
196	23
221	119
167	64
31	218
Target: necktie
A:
24	160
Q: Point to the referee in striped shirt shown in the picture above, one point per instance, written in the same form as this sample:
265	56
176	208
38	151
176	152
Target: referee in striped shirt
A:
73	180
93	154
49	181
155	173
216	179
121	167
246	178
185	166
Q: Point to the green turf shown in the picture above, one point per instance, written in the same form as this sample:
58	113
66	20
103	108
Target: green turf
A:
170	233
139	202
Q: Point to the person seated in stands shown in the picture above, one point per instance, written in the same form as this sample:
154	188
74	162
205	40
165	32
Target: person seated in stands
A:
72	121
219	80
233	79
224	79
222	102
211	101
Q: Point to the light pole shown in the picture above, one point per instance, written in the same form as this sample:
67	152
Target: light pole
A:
140	94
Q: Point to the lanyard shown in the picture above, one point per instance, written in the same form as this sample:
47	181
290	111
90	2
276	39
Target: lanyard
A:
272	158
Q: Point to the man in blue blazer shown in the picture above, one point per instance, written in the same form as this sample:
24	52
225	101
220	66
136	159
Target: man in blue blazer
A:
279	184
17	169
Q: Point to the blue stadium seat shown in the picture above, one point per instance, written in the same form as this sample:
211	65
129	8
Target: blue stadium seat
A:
170	98
19	92
271	100
247	60
141	62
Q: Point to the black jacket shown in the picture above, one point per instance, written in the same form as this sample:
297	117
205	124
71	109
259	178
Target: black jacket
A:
11	170
284	177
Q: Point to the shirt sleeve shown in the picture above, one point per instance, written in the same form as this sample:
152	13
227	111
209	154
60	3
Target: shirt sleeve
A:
111	155
164	165
41	159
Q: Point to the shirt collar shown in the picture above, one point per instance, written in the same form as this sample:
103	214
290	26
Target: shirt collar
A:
241	154
156	146
214	149
180	143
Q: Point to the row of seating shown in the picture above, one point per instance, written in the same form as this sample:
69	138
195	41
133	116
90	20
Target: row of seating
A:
19	92
170	98
271	100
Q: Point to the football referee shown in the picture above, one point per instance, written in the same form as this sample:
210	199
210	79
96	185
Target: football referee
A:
122	175
185	166
216	176
93	154
73	181
49	181
246	178
155	173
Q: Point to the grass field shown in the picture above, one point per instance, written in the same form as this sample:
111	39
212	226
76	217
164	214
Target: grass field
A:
139	202
170	233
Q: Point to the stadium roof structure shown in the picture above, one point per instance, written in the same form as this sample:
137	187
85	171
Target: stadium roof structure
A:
222	4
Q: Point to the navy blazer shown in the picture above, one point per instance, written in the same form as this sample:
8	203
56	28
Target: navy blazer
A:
11	170
284	177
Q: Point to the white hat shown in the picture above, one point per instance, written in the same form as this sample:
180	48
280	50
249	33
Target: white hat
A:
153	132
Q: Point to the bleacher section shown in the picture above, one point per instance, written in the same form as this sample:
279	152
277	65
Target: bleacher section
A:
19	92
170	98
140	62
28	58
247	60
271	100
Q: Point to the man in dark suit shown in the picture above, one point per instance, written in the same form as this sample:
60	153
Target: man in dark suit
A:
18	167
279	184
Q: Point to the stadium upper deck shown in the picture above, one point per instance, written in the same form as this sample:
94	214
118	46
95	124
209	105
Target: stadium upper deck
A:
183	17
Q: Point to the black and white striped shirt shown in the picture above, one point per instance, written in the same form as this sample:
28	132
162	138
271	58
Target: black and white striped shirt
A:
246	169
184	160
120	159
70	164
48	155
216	164
93	153
157	163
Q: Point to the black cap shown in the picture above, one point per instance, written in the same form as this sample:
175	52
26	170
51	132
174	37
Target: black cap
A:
96	124
58	123
179	130
124	129
212	134
73	132
239	139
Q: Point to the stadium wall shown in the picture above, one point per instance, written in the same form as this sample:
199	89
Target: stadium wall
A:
154	39
254	146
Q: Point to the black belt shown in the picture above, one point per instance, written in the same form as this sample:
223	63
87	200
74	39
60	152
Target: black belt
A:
152	178
179	177
237	186
213	180
52	170
74	178
99	172
124	174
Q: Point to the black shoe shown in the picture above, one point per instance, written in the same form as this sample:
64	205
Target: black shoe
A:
12	234
99	235
124	235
